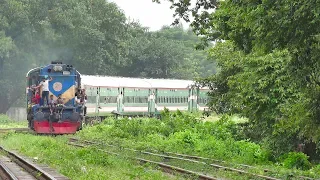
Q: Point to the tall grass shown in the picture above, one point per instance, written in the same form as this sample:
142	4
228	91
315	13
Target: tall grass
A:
181	132
6	122
78	163
188	133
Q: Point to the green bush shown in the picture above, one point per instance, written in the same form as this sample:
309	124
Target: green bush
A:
4	119
182	133
296	160
315	170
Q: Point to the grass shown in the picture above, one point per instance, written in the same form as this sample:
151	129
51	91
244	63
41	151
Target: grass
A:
214	137
201	168
179	133
188	134
78	163
6	122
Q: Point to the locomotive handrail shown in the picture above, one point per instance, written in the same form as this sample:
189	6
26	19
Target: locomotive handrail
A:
47	107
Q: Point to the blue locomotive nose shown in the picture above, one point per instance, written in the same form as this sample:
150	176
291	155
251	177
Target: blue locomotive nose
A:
62	115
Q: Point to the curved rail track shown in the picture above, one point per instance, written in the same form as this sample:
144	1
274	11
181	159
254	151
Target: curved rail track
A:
186	158
14	166
4	130
164	167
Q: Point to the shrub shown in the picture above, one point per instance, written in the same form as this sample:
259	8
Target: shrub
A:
296	160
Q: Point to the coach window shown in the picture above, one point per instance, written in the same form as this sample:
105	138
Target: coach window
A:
91	99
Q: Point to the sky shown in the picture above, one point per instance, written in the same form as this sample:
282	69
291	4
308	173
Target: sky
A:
148	13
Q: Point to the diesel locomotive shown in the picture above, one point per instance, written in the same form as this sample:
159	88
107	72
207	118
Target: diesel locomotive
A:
52	106
78	98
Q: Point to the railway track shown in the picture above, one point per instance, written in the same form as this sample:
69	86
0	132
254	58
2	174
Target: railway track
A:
164	167
5	130
14	167
184	158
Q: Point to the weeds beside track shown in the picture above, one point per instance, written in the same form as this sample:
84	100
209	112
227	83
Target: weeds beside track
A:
168	156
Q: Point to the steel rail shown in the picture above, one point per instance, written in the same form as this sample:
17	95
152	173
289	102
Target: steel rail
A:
183	159
197	158
165	167
14	129
6	173
31	168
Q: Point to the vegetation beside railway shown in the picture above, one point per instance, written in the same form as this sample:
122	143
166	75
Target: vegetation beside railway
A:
222	138
6	122
78	163
186	133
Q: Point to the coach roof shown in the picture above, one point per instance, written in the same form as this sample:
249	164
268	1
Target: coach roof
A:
112	81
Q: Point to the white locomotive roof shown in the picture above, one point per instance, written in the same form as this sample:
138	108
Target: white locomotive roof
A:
112	81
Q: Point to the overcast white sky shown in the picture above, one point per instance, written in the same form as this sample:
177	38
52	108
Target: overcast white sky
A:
149	14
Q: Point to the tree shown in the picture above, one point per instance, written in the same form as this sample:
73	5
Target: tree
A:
92	34
275	77
167	53
87	34
152	57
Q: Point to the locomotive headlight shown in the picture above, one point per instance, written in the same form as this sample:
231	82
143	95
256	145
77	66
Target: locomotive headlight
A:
57	68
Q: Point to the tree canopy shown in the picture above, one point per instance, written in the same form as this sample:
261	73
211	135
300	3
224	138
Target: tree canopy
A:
93	36
268	60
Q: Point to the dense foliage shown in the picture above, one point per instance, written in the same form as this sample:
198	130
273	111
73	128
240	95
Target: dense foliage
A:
94	36
269	69
180	132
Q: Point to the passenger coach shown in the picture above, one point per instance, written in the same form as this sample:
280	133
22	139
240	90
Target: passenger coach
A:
137	96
